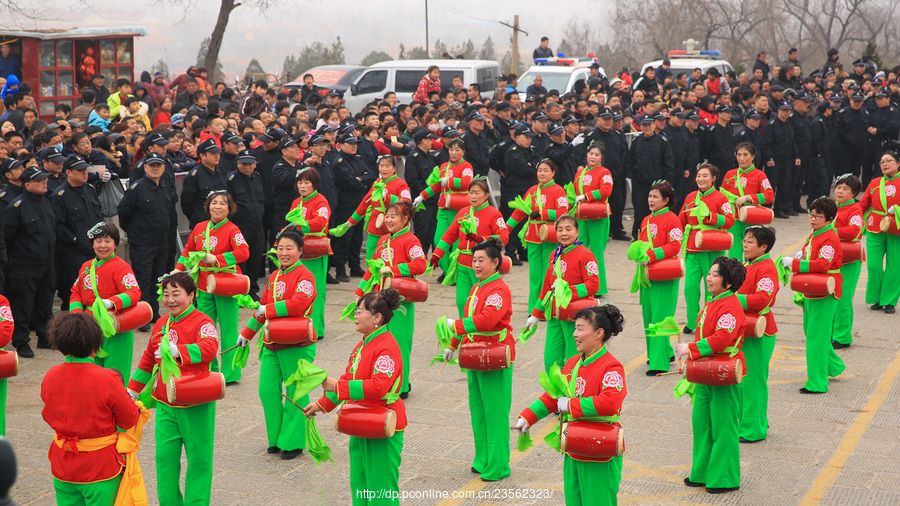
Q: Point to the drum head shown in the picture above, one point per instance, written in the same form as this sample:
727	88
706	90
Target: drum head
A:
738	371
390	423
563	436
759	329
620	442
379	221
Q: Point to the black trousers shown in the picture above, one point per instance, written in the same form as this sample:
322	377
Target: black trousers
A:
68	263
347	248
174	252
29	288
269	233
424	225
872	164
818	184
256	241
851	161
798	178
779	176
617	206
514	246
639	193
149	263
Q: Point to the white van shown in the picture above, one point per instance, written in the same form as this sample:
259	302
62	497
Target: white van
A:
403	76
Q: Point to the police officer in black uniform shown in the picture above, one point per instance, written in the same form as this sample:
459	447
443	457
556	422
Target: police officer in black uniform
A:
540	127
145	215
53	161
267	156
156	143
284	180
419	165
30	235
817	182
232	144
353	179
751	134
519	174
678	139
11	170
76	210
649	159
246	188
853	122
501	121
614	159
803	138
442	156
718	143
884	125
692	158
780	155
201	181
477	152
562	153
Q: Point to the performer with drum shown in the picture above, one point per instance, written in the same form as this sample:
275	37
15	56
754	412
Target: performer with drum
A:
84	404
592	476
369	389
8	369
193	343
880	204
473	224
817	276
849	228
706	217
110	279
452	181
747	189
219	277
757	296
286	305
313	209
400	255
593	186
716	460
541	205
484	333
661	271
574	265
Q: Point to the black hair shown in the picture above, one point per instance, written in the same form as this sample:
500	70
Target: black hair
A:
824	205
309	174
665	191
852	181
181	280
130	100
607	317
746	145
549	163
384	303
291	232
480	183
565	217
493	247
75	334
732	271
232	206
104	229
713	170
764	236
458	143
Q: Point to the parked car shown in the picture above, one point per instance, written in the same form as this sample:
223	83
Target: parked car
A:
558	73
328	77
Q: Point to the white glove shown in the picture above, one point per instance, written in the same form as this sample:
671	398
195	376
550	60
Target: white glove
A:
562	404
134	395
418	200
522	425
531	321
448	354
799	255
172	347
578	140
174	271
210	259
579	199
786	262
450	322
742	201
445	181
645	263
108	303
553	284
106	176
242	342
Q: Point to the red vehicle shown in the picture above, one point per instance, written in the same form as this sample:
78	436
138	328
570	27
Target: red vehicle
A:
328	77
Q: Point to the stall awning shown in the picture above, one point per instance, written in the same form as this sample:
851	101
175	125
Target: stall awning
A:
77	33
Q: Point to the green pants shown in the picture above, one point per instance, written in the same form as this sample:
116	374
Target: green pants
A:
224	311
371	243
285	423
842	331
3	387
591	483
465	280
821	359
193	429
375	469
696	266
658	302
715	419
100	493
755	387
120	350
737	249
402	326
559	344
594	234
490	397
883	260
319	269
445	218
538	262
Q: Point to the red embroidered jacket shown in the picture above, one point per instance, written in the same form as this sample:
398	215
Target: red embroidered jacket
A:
662	229
289	292
720	325
822	254
402	252
752	182
395	189
552	204
488	309
871	201
488	223
720	216
759	289
115	281
578	267
459	176
595	183
226	242
315	210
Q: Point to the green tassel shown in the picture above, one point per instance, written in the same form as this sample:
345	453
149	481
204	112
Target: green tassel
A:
526	333
684	387
305	379
295	216
239	360
524	442
339	230
452	268
146	395
316	446
348	311
434	177
784	275
101	314
668	327
246	301
444	334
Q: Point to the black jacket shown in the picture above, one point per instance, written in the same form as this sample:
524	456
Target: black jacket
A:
718	147
779	144
419	166
247	192
520	169
563	155
852	125
76	210
886	121
801	134
145	213
649	159
10	193
265	160
678	140
284	187
820	144
616	154
196	187
352	179
29	229
477	152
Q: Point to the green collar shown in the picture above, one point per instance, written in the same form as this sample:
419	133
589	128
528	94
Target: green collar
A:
494	276
75	360
570	247
296	264
98	262
390	178
763	257
481	207
593	358
851	201
180	317
661	211
747	170
722	295
547	185
824	229
375	333
707	192
400	232
311	195
891	178
215	226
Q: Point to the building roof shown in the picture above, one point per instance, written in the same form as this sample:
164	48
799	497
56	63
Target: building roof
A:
77	33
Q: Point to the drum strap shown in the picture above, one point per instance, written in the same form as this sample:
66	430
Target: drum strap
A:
700	211
470	310
98	308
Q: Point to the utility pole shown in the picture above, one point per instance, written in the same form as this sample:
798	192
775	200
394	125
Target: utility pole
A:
514	64
426	29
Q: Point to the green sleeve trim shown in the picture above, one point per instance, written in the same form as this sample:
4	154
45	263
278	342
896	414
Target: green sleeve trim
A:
596	195
804	265
356	218
229	258
404	269
75	305
125	299
194	353
429	192
333	398
456	182
761	198
539	306
720	220
539	409
254	325
512	222
355	387
281	309
658	253
742	298
551	214
469	325
443	245
141	376
704	348
587	406
181	261
581	290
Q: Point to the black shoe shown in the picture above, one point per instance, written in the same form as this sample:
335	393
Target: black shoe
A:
320	338
516	261
781	215
291	454
342	277
440	278
792	213
876	307
687	330
887	310
711	490
273	449
653	372
803	390
598	297
476	471
799	209
745	440
145	328
229	383
356	272
839	346
621	236
44	344
404	395
25	351
688	482
331	280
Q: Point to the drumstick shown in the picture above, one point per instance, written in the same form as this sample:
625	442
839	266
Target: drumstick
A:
442	367
292	401
668	373
229	349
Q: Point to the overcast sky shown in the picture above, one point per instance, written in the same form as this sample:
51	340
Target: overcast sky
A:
363	26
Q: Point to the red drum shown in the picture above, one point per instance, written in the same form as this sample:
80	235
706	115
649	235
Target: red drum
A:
852	251
754	325
596	441
813	285
483	356
666	269
133	317
9	364
227	284
371	422
315	246
505	265
411	289
454	201
290	330
544	232
714	370
592	211
755	215
889	224
195	388
568	313
713	240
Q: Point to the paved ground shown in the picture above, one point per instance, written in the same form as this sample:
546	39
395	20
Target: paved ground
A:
838	448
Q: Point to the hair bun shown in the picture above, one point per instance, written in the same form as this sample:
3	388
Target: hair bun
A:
615	318
392	297
496	242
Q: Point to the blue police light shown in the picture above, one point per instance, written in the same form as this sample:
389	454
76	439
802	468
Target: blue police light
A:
561	54
540	61
711	53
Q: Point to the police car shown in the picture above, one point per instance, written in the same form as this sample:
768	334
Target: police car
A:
687	60
559	73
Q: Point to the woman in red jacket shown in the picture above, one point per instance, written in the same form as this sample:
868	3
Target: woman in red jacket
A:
745	186
84	404
372	379
849	228
6	329
111	279
594	184
315	212
716	462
